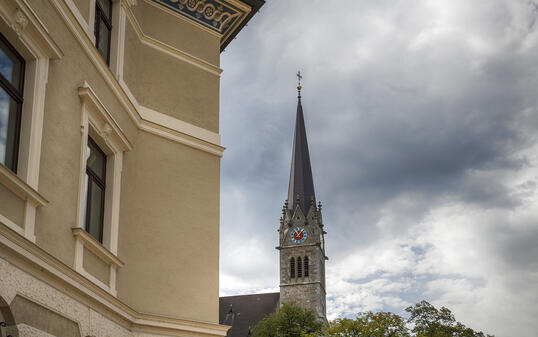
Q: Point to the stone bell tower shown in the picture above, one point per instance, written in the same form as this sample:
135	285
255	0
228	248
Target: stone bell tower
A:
301	245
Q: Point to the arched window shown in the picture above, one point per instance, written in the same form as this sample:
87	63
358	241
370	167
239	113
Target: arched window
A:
292	267
7	321
299	267
305	266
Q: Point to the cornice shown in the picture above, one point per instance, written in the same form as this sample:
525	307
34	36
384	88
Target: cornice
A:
298	246
181	17
225	18
174	129
24	21
181	138
255	6
88	96
178	125
317	244
220	16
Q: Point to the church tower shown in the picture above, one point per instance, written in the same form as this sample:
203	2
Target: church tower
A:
302	248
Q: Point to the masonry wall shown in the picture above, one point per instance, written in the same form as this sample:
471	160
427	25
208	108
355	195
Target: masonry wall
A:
307	291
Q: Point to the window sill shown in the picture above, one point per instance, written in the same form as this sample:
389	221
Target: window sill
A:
20	188
96	247
83	240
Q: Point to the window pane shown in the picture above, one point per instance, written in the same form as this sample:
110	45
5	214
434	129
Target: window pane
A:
10	65
105	6
8	129
96	211
96	160
103	42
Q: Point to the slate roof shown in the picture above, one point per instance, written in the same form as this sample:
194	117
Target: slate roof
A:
244	311
301	182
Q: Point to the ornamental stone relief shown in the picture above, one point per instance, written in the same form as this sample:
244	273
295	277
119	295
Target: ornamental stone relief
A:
218	15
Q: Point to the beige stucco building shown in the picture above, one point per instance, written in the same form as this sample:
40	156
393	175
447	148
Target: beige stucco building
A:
109	165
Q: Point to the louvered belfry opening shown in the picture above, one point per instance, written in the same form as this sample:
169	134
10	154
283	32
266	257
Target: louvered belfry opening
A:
306	272
299	267
292	267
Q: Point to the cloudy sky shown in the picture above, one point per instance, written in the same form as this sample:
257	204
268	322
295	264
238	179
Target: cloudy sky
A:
422	118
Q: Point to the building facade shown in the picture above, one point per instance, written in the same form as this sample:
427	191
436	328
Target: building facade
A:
110	165
301	248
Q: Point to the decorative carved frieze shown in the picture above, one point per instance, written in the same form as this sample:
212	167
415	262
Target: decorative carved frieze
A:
217	15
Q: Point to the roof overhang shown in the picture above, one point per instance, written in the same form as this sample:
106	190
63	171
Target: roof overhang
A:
223	17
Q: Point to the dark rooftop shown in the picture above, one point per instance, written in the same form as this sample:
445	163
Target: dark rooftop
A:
245	311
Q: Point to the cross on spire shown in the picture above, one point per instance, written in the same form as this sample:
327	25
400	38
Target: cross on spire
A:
299	78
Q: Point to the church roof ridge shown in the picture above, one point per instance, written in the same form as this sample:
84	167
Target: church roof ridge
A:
255	294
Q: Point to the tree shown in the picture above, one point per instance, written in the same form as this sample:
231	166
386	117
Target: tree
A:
430	322
369	324
426	321
290	320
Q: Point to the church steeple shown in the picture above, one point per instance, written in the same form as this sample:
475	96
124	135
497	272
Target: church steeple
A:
301	234
301	185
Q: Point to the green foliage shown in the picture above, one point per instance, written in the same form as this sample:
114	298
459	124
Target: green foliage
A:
369	324
430	322
290	320
424	319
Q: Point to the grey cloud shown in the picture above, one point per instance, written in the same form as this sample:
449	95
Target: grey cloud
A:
409	107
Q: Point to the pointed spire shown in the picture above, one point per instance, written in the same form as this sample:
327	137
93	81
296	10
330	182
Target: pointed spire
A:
301	188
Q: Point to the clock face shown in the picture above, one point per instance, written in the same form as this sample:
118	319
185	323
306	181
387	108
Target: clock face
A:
298	235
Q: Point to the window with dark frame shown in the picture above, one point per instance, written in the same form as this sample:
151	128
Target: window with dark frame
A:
95	190
292	267
103	27
11	96
299	267
306	266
